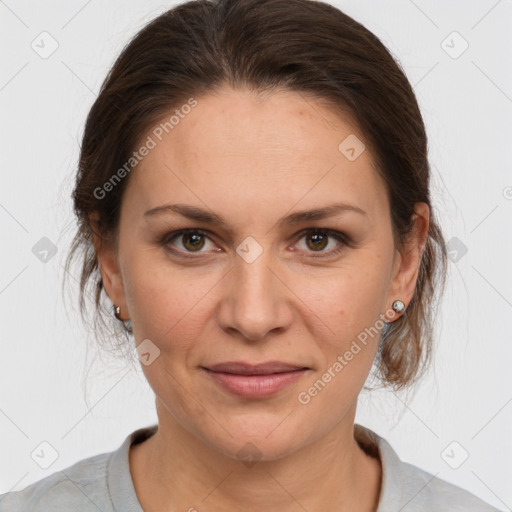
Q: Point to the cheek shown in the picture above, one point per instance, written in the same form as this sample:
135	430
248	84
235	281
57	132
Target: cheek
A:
349	305
167	303
348	300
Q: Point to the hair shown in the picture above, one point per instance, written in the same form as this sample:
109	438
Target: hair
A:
304	46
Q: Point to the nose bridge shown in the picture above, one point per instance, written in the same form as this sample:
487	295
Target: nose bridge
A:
256	301
253	264
254	279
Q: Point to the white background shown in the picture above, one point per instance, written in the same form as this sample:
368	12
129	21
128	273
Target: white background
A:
467	106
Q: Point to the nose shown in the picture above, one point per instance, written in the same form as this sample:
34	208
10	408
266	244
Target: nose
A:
256	300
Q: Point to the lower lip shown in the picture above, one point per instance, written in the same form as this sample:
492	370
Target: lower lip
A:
255	386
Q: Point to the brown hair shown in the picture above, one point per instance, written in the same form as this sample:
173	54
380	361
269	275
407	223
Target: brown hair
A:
304	46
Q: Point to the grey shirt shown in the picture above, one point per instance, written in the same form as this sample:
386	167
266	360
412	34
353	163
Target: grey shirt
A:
103	483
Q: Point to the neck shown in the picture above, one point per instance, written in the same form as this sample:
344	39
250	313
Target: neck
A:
174	470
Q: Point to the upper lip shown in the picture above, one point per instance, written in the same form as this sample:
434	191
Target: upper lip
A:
241	368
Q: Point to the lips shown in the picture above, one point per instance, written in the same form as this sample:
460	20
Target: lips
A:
268	368
255	381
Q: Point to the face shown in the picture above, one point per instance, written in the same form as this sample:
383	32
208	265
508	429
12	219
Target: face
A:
252	282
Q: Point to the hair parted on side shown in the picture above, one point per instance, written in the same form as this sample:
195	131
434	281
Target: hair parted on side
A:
304	46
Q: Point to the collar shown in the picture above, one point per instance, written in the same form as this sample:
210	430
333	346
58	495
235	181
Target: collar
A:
122	491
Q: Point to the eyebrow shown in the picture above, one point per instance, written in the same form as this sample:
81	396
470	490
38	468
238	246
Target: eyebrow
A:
208	217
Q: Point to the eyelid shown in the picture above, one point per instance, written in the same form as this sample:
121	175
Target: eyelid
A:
173	235
340	237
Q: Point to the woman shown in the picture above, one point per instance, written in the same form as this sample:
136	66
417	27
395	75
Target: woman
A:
253	197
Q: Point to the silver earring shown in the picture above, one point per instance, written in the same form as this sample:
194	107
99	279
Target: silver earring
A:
398	306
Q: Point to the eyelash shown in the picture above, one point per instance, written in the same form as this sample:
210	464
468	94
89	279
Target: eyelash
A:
342	238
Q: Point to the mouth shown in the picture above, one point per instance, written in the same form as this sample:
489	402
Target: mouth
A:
255	381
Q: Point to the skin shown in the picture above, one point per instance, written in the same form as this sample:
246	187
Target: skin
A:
252	160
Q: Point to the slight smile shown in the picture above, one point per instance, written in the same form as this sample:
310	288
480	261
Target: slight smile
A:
255	381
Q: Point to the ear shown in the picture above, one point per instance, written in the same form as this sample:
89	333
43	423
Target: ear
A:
108	263
408	260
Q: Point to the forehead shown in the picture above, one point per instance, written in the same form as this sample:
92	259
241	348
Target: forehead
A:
237	151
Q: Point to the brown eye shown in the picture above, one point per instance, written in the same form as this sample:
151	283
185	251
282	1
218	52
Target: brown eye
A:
193	242
188	241
318	241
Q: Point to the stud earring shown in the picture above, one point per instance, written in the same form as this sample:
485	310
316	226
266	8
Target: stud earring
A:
398	306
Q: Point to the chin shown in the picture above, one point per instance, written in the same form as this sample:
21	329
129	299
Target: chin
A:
250	450
258	437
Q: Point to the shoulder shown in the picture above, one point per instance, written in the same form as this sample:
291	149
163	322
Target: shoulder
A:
427	492
82	486
99	483
408	488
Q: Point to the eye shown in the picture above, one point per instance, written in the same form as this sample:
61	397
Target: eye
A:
186	242
317	239
190	240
